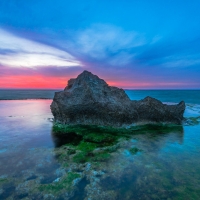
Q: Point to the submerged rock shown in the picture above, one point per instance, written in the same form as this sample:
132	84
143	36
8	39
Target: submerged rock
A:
90	100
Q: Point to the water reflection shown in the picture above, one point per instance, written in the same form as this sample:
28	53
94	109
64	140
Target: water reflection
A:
69	138
166	167
144	175
25	147
164	132
156	140
159	172
17	108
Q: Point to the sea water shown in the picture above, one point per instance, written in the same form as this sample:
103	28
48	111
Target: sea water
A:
166	167
13	94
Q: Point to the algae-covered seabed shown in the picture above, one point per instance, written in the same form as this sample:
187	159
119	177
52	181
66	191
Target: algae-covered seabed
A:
147	162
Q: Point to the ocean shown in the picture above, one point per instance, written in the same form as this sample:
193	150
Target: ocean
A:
189	96
156	163
12	94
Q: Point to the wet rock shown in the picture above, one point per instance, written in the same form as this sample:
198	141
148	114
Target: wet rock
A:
90	100
153	110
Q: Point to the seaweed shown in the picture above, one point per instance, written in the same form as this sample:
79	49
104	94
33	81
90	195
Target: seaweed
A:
134	150
193	120
98	142
101	134
3	181
65	183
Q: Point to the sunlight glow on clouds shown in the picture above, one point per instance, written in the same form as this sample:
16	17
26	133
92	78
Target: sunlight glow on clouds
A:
18	52
134	44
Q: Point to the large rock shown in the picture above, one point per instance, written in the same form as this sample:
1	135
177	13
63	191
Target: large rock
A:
90	100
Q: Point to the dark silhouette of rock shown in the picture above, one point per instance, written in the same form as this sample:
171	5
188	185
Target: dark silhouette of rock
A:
153	110
90	100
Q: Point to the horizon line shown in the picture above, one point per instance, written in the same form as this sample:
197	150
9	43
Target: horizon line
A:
118	87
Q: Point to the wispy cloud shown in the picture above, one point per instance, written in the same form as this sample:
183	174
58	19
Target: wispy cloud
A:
16	52
181	61
126	59
107	42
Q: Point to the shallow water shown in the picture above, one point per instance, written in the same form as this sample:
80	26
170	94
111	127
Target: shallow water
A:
166	167
189	96
13	94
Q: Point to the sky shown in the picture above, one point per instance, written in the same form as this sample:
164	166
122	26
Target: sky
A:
130	44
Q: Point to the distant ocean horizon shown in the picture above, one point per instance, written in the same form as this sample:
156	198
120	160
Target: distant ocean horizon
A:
175	96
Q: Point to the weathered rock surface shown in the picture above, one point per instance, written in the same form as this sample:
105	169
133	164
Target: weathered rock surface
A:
90	100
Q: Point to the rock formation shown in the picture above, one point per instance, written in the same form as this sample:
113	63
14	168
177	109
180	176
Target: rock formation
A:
90	100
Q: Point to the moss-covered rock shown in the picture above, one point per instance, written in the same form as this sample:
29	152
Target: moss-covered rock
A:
134	150
66	183
98	143
3	181
106	134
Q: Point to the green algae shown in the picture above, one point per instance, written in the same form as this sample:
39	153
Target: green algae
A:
83	152
104	138
71	151
94	137
86	153
102	156
81	157
65	183
187	193
134	150
98	143
193	120
86	146
91	132
157	129
65	165
3	181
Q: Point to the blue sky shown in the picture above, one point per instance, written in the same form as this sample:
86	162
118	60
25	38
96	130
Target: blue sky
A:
131	44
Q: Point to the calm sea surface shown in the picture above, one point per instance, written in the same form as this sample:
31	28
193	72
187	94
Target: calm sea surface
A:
189	96
166	167
26	94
